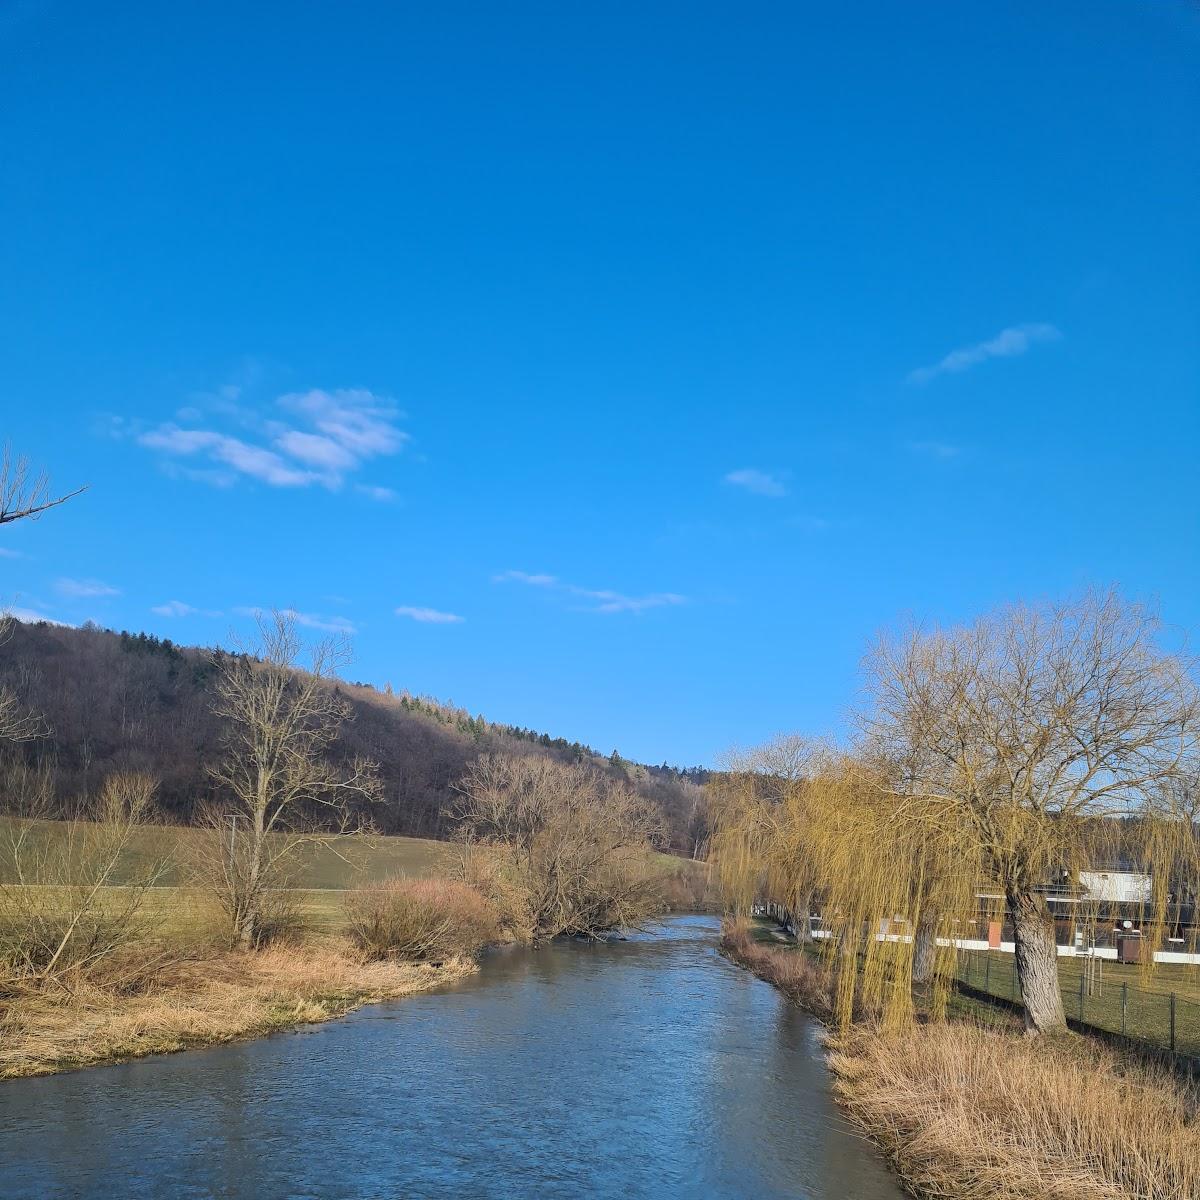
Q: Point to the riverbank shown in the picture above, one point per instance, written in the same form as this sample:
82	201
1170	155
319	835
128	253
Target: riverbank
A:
980	1113
203	1000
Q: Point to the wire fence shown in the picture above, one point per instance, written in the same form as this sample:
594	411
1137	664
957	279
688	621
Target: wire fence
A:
1099	995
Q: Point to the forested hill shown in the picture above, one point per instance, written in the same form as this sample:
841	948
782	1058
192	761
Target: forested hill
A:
130	701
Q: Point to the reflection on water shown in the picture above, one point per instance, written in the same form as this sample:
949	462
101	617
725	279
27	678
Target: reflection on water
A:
644	1068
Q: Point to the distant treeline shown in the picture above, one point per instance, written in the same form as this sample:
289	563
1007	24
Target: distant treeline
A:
117	701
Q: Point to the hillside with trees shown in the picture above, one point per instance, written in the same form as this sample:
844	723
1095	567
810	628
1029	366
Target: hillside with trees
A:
132	702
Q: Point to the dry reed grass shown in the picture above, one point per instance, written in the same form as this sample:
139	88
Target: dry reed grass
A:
968	1113
805	982
199	1001
979	1115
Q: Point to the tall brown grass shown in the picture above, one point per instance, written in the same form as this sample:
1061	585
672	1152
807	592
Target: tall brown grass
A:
200	1000
981	1115
422	920
971	1113
802	979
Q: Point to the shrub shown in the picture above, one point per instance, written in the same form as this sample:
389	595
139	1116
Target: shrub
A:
420	919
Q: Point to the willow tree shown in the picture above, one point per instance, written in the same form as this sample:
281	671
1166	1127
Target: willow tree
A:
1008	739
797	821
761	823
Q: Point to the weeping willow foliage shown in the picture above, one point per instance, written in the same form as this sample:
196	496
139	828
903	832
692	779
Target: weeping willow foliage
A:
896	876
760	845
997	758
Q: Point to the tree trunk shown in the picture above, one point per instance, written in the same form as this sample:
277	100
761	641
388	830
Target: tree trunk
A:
1037	961
803	921
251	915
925	947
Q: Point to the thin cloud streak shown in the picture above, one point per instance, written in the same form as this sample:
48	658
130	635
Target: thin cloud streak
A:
604	600
383	494
1008	343
327	624
85	588
177	608
429	616
30	616
761	483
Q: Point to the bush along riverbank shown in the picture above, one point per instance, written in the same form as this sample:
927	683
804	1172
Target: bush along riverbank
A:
967	1112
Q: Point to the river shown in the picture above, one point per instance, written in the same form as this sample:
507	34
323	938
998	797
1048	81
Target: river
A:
642	1068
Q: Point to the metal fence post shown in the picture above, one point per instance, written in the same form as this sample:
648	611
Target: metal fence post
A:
1172	1021
987	974
1124	1007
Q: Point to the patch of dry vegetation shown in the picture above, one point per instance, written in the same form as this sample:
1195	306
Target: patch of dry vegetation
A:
979	1115
971	1113
200	1000
804	981
424	920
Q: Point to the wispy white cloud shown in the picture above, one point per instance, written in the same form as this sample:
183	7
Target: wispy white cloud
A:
935	449
810	523
85	588
321	439
31	616
761	483
327	624
429	616
177	608
353	418
382	494
1008	343
600	600
5	552
525	577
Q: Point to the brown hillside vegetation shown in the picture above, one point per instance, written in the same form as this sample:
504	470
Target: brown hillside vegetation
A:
124	702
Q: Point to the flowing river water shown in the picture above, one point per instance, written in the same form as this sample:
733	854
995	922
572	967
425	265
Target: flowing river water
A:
642	1068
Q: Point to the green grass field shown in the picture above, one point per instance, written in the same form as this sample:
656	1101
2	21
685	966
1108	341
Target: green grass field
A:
326	862
319	875
1120	998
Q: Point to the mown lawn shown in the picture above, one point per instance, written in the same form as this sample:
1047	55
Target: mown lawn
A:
327	862
1120	998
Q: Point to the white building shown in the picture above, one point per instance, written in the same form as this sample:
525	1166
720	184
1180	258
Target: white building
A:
1125	887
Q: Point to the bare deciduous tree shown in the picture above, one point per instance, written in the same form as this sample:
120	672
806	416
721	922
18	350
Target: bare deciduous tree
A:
17	722
22	493
570	845
281	721
1013	736
71	892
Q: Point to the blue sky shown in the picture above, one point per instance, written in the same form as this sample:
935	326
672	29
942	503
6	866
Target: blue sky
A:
615	370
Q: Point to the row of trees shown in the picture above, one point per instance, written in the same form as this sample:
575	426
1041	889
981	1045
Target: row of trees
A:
990	760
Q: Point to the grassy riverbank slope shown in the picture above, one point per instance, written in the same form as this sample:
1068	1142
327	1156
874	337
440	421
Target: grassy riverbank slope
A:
975	1113
200	1000
174	984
